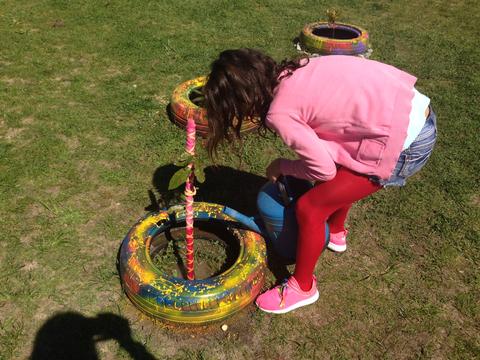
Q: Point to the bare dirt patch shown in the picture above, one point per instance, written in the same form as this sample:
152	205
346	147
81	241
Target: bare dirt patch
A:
30	266
63	80
162	99
109	164
102	200
403	345
475	200
9	310
97	139
172	337
34	210
53	190
29	238
13	133
72	142
87	171
114	71
73	103
14	81
29	120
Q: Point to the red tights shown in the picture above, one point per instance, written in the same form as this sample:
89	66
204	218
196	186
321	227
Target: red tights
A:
328	201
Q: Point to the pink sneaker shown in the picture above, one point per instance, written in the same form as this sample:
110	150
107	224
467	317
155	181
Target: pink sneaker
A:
338	241
287	297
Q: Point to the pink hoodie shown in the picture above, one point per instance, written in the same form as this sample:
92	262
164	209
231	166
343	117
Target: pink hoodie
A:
342	110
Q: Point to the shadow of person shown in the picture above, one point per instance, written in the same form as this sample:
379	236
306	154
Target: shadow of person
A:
72	336
223	185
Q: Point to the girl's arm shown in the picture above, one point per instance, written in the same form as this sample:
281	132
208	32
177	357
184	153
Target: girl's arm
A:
314	163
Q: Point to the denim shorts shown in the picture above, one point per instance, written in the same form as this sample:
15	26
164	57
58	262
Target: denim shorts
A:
413	158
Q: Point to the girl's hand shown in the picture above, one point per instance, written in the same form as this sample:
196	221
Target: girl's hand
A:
273	170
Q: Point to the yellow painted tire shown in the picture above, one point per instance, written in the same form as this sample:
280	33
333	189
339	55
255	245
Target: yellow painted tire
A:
179	300
356	44
182	108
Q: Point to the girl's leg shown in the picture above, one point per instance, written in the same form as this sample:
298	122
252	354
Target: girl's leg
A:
336	221
315	207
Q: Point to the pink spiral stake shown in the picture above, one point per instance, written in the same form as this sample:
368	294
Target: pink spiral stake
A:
189	193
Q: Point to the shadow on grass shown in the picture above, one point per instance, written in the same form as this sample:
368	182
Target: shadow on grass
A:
71	335
223	185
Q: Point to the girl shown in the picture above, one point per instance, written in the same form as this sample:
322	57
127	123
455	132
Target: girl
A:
356	125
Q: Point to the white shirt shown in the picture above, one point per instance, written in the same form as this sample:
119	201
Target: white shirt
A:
417	117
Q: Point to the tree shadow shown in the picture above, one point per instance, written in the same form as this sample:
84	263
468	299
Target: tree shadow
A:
223	185
72	336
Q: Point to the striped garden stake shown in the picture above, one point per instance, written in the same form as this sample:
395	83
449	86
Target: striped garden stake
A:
189	193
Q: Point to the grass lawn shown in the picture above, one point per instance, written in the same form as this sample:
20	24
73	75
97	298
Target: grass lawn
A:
86	143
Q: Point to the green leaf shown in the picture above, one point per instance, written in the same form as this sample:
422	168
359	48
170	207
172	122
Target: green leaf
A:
178	178
200	162
184	159
200	174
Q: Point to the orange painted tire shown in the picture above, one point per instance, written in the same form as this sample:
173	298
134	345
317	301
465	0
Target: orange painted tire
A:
350	40
182	108
190	301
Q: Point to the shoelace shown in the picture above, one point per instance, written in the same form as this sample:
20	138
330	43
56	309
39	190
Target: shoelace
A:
281	290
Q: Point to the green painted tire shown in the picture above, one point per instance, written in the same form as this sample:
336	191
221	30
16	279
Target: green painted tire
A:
354	42
183	108
198	301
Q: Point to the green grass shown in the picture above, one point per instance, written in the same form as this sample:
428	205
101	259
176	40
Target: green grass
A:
84	135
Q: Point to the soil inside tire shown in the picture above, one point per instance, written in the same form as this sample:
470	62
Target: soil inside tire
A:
335	33
215	250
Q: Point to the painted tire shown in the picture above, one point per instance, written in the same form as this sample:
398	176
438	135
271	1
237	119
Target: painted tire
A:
330	46
182	108
197	301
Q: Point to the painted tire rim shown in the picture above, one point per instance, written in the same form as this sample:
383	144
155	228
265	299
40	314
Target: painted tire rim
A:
183	108
176	299
356	45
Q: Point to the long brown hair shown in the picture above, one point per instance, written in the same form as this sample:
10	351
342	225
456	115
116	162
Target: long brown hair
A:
241	86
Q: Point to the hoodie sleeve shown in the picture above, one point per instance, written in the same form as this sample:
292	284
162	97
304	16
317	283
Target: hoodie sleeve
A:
314	163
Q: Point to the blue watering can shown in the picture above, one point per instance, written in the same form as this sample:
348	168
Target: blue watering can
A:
276	220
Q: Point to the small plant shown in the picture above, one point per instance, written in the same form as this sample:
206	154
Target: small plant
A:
186	161
332	16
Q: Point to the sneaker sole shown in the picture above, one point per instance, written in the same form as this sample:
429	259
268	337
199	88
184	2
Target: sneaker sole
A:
337	248
305	302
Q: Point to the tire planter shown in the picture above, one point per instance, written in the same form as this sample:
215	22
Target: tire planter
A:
198	301
339	39
182	107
